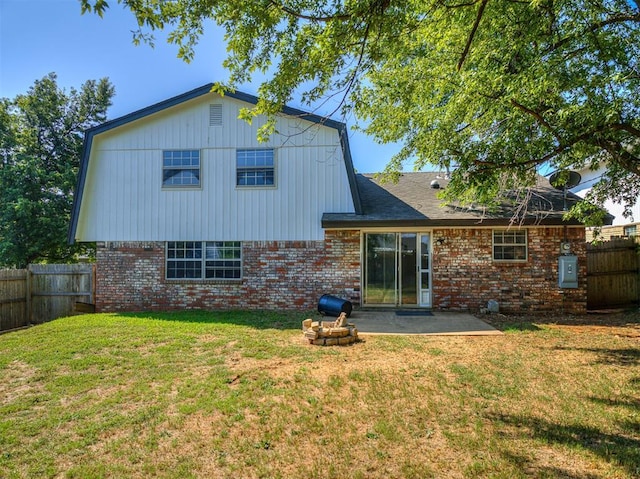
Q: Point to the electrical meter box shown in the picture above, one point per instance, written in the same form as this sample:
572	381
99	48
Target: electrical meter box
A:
568	271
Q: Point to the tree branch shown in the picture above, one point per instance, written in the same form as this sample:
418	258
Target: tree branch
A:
474	29
489	165
460	5
615	19
311	18
629	162
380	5
539	118
624	158
626	127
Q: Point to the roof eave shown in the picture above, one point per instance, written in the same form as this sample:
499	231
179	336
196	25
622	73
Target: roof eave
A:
77	197
363	222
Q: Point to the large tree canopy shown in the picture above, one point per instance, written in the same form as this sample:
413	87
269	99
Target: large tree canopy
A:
41	135
491	89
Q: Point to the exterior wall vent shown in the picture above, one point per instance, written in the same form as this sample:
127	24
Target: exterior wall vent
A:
215	115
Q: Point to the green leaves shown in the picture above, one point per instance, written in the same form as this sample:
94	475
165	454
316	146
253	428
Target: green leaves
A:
41	142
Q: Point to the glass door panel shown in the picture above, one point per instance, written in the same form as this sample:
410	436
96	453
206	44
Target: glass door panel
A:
408	276
425	270
380	268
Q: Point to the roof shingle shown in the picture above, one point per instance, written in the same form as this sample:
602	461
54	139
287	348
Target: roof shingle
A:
413	202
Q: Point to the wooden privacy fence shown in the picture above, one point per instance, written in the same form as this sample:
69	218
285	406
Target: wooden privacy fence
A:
613	273
43	292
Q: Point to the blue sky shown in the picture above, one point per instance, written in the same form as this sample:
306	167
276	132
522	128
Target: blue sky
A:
42	36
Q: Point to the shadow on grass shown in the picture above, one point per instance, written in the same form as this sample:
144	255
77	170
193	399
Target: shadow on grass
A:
632	403
254	319
620	356
528	321
618	449
524	464
596	318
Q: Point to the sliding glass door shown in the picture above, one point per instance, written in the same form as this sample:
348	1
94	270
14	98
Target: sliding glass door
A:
396	269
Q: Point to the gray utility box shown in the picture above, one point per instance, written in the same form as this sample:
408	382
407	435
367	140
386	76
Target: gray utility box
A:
568	271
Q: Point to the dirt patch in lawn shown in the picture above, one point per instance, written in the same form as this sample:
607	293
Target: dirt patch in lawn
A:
623	323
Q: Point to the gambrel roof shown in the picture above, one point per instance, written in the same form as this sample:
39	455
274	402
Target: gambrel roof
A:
191	95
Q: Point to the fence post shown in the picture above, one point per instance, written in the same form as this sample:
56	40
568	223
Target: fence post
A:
27	289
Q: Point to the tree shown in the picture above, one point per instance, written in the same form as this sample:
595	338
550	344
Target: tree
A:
494	90
41	135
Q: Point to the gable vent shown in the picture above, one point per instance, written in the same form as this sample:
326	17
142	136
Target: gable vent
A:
215	115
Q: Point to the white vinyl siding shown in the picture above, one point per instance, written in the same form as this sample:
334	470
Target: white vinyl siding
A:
510	245
123	201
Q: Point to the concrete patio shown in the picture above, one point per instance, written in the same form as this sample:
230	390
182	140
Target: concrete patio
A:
440	323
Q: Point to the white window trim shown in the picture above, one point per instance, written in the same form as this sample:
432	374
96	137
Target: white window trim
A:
257	187
494	244
203	259
182	187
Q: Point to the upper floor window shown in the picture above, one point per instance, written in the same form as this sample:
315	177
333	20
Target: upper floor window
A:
181	168
255	167
630	230
510	245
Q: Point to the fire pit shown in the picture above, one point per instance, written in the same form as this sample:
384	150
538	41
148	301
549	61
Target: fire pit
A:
330	333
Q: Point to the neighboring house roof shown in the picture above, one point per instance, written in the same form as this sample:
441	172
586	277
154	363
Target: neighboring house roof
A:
193	94
590	177
413	202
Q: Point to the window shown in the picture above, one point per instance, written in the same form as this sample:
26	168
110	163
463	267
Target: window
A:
255	168
221	260
184	259
181	168
510	245
630	230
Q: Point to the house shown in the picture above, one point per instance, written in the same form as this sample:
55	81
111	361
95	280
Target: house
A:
189	210
619	226
606	233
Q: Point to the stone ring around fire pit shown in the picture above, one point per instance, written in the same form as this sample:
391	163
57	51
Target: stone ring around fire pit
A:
330	333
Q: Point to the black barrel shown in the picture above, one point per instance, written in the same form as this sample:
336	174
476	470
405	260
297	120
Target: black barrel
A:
333	306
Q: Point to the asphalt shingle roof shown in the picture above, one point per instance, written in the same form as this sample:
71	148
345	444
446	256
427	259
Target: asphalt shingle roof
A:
412	201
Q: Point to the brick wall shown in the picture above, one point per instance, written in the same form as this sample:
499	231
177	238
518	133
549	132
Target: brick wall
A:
465	277
293	275
276	275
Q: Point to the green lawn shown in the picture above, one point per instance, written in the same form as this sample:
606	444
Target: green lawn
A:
242	395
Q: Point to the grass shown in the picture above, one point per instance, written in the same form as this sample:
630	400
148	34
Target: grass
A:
241	395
